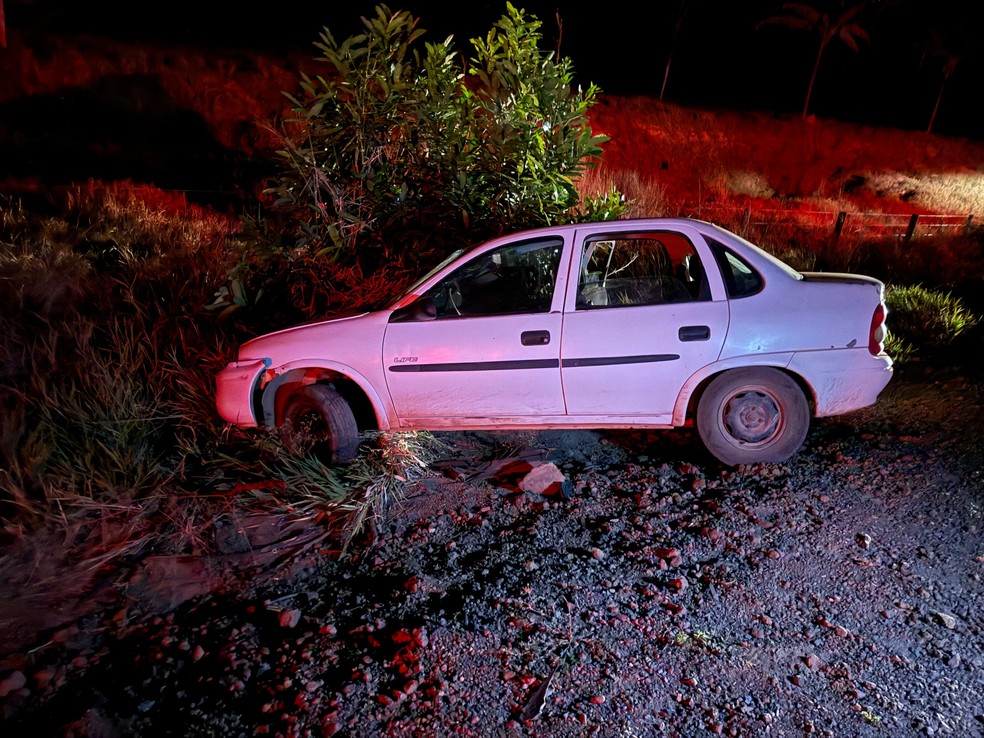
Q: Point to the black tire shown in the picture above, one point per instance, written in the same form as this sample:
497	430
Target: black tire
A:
317	420
751	415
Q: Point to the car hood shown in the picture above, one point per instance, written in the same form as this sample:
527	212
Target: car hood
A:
261	344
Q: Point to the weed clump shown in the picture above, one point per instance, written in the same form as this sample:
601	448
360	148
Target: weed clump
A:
921	319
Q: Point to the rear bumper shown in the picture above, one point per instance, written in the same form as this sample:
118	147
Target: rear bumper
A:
845	380
234	391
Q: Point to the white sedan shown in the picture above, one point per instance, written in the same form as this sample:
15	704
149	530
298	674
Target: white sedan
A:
648	323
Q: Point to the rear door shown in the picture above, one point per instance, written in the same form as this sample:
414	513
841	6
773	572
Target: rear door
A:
648	311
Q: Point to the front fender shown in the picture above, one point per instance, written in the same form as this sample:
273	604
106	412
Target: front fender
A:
308	372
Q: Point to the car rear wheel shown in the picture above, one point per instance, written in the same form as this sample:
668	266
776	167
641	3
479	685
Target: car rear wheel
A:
318	421
753	415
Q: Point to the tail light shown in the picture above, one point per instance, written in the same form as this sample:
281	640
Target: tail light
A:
876	334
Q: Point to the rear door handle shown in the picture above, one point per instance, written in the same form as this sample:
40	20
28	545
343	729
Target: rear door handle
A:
694	333
535	338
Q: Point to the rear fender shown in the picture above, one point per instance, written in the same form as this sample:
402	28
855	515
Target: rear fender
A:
701	377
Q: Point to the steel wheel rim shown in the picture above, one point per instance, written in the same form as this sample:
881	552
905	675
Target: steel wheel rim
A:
752	417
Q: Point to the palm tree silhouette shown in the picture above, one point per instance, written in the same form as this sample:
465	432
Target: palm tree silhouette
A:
938	49
682	7
803	17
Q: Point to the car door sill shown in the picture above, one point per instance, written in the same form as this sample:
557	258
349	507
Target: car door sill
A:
538	422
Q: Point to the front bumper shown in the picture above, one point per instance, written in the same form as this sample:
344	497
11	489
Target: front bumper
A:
235	388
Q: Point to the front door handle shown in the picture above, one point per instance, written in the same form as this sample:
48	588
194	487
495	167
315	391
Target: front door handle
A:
535	338
695	333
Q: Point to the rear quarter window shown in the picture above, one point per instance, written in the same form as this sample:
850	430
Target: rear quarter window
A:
740	279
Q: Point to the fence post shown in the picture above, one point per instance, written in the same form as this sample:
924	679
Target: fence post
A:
838	227
969	224
911	229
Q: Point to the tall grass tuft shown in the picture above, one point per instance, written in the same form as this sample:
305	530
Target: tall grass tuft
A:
921	319
381	473
100	421
644	197
105	348
353	499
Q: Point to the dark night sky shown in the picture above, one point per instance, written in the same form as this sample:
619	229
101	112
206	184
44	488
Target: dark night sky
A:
720	60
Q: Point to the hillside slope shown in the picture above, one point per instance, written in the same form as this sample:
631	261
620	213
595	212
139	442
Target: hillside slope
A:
705	155
79	107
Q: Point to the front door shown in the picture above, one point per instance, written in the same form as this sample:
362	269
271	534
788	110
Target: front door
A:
490	349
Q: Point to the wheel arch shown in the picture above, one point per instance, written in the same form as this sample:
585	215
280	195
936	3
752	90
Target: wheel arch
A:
354	389
685	412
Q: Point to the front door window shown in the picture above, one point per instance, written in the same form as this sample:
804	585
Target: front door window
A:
519	278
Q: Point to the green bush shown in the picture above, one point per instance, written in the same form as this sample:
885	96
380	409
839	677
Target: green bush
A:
404	153
921	318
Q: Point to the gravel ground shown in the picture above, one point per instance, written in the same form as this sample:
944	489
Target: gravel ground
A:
581	583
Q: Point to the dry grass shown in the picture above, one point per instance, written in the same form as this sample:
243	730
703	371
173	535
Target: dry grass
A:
140	220
701	158
392	461
646	198
101	310
939	192
354	500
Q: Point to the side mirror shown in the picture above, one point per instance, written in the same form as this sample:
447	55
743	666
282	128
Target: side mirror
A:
421	309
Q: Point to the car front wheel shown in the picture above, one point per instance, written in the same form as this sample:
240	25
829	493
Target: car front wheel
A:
317	420
753	415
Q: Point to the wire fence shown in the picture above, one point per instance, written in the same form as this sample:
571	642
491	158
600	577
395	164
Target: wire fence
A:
904	226
901	225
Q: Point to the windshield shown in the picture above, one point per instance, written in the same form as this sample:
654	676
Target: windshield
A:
447	260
